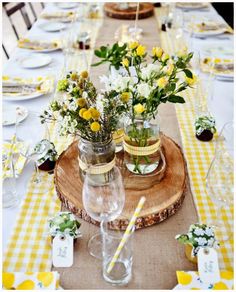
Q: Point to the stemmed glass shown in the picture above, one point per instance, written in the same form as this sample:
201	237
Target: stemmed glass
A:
220	180
103	201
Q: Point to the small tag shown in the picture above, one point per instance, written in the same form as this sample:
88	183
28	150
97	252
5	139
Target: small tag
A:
62	251
208	266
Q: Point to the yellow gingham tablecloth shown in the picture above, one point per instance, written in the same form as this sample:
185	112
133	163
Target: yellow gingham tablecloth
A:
29	248
199	156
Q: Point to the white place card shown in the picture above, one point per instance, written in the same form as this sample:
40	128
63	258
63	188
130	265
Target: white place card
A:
62	251
208	266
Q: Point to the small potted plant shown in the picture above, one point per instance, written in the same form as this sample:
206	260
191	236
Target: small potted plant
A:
47	155
205	127
64	223
199	235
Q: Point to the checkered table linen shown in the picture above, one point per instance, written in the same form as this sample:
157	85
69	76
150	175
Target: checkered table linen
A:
199	156
29	248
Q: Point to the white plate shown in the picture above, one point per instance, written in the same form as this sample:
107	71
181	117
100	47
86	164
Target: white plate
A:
46	50
33	61
22	97
205	33
10	114
188	6
52	26
67	5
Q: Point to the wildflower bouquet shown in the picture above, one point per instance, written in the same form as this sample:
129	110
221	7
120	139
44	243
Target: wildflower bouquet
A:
76	109
149	85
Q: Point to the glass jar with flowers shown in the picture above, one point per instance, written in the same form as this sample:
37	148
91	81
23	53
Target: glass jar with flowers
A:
199	235
78	111
205	127
154	83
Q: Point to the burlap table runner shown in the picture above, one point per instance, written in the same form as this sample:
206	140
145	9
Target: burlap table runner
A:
157	255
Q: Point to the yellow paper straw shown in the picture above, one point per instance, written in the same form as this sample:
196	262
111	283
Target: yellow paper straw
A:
126	234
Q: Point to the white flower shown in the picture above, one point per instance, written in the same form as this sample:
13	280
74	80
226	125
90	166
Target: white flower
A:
209	231
72	106
150	70
201	241
84	94
58	220
72	217
144	89
198	231
210	242
119	83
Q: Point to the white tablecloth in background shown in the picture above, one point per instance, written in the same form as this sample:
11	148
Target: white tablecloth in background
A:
221	105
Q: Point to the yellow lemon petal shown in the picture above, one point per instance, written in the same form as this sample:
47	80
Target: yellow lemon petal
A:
184	278
26	285
227	275
220	286
46	278
8	280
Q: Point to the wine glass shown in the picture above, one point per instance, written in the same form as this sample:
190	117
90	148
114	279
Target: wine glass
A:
103	201
220	181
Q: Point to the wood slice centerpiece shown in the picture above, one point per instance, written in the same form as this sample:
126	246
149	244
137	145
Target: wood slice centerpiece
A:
164	197
112	10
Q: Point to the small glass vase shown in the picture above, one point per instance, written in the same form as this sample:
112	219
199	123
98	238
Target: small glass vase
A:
97	158
142	145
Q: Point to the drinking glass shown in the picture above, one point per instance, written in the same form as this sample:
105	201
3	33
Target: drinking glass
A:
220	181
31	134
9	192
122	271
103	202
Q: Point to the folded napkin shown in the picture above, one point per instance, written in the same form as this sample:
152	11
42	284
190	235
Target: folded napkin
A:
15	149
191	281
37	45
219	65
24	86
210	26
30	281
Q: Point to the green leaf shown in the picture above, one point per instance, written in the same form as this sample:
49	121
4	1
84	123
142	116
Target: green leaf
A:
176	99
188	73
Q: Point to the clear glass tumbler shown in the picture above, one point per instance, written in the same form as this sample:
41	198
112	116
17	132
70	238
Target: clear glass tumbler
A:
121	273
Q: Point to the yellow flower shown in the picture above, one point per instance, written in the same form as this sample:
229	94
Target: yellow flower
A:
139	108
87	115
95	126
162	82
191	81
170	68
133	45
84	74
74	76
125	96
157	52
165	57
95	113
81	112
183	52
140	50
81	102
125	62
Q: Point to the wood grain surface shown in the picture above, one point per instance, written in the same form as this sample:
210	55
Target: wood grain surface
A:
145	10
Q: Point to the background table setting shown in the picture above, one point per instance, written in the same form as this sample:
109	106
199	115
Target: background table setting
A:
151	214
